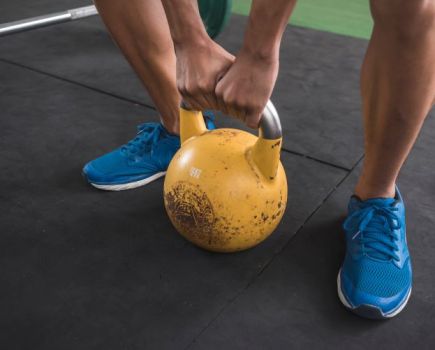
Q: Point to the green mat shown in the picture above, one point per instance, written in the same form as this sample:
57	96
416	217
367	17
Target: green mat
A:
346	17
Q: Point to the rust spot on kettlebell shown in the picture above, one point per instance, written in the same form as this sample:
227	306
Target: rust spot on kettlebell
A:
276	144
225	136
190	208
193	215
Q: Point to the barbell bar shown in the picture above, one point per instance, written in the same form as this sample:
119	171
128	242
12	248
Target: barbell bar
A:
214	14
46	20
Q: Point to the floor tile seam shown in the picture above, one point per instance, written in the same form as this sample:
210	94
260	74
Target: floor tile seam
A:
318	160
76	83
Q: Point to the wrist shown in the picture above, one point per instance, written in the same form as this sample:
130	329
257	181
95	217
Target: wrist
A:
266	25
267	54
261	44
194	39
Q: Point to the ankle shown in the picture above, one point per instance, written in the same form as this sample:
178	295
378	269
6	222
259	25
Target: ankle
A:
172	126
366	190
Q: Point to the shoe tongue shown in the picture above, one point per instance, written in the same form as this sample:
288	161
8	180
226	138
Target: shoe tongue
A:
376	224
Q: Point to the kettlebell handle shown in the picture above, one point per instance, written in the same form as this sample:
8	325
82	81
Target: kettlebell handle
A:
270	124
265	153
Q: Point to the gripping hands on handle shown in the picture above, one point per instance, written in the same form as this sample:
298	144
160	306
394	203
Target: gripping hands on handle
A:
210	78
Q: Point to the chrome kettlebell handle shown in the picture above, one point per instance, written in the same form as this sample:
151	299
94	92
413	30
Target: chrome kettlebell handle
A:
270	124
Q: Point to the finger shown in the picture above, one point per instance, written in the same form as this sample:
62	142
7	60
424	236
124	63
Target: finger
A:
242	115
184	94
222	107
191	98
201	101
211	101
198	94
252	120
191	103
235	111
220	100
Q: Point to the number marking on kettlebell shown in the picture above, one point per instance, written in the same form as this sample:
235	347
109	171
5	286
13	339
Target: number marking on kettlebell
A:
195	172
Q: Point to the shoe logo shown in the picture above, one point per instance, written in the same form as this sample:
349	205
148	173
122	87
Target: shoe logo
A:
355	235
195	172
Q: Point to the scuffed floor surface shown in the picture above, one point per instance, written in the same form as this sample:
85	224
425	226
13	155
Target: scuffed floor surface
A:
85	269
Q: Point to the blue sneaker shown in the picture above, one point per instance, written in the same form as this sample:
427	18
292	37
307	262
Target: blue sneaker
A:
376	277
139	162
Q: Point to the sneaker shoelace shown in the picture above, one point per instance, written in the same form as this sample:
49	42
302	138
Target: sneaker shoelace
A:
375	232
148	134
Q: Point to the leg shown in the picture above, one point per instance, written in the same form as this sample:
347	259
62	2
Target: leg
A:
141	31
398	89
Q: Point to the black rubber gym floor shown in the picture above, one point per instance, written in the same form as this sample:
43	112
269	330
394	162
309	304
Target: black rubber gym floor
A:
84	269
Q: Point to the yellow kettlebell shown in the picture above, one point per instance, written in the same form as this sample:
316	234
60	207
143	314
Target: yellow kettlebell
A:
226	190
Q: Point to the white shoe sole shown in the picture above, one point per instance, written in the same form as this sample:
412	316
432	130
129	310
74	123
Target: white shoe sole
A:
366	310
130	185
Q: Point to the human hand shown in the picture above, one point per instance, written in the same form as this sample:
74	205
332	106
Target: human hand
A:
199	68
247	86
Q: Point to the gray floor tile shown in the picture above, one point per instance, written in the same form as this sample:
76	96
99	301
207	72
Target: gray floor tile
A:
83	269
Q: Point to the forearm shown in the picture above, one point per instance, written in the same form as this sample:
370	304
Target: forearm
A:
185	22
266	25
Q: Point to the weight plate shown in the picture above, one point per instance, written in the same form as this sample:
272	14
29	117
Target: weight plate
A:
214	14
